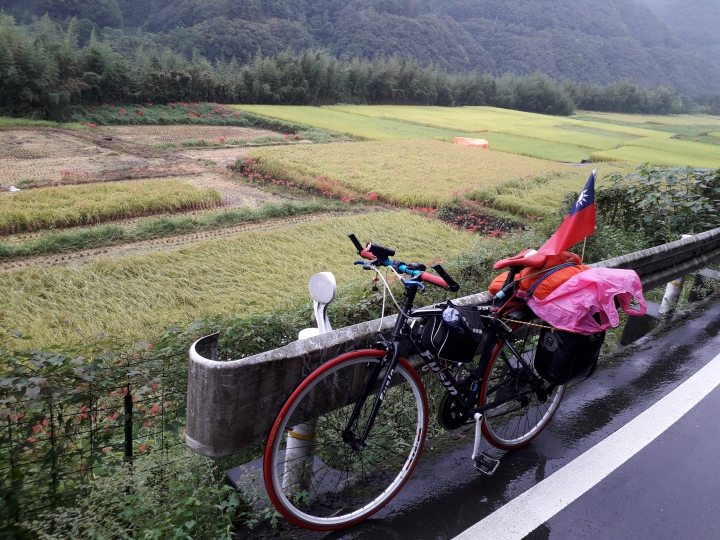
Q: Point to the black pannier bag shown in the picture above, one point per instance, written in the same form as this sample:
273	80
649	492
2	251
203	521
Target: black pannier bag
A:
565	357
450	344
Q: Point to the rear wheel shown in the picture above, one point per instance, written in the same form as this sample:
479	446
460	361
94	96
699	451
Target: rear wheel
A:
515	423
314	476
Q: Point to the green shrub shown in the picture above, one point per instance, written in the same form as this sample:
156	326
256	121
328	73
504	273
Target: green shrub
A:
181	496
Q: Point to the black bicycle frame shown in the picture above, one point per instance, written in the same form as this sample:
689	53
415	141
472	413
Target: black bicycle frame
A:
494	328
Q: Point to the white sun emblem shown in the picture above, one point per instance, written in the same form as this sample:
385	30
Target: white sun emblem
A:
581	199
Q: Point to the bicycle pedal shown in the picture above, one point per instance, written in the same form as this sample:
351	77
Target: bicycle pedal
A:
486	464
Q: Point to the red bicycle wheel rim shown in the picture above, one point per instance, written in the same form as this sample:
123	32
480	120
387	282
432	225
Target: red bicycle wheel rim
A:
268	464
481	399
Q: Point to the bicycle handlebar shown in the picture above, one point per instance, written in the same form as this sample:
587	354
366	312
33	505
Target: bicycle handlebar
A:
380	254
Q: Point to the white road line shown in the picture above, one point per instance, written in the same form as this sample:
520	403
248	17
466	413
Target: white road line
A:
525	513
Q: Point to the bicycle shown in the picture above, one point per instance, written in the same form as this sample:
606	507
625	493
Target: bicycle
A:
349	437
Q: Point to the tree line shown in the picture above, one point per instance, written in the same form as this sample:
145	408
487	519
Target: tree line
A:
46	74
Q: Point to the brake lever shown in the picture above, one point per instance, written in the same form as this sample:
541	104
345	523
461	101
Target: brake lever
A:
411	282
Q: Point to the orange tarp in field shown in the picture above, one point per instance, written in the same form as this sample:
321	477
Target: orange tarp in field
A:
475	143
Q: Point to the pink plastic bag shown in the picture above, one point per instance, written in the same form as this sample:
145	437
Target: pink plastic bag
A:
572	305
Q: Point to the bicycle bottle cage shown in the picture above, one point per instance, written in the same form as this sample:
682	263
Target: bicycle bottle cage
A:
447	343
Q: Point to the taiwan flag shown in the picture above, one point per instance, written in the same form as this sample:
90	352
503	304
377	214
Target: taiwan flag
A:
578	225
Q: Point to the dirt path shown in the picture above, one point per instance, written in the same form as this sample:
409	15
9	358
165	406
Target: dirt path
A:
79	258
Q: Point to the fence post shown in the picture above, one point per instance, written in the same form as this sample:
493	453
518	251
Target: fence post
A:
672	293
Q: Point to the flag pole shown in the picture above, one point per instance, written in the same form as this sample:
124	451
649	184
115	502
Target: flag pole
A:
582	257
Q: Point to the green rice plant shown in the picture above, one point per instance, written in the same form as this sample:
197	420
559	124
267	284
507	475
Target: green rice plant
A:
492	119
654	156
353	121
525	146
254	272
66	206
407	173
355	125
674	146
666	120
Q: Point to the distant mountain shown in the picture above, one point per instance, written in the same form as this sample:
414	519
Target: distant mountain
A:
596	41
696	22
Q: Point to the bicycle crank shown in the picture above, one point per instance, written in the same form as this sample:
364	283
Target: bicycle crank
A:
483	462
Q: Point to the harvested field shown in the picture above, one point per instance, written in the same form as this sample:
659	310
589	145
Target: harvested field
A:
49	155
253	272
150	135
410	173
64	206
234	194
220	156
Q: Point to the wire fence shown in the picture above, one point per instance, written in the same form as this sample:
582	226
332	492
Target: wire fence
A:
68	418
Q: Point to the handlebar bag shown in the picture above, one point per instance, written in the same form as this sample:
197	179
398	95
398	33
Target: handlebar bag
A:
565	357
449	344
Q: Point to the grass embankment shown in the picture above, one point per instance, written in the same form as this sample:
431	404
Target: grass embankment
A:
199	114
66	206
8	122
255	272
408	173
154	228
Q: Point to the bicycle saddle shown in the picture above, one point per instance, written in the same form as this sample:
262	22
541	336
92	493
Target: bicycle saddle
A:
526	258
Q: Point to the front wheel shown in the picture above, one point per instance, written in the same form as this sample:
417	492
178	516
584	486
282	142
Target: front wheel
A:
515	423
315	476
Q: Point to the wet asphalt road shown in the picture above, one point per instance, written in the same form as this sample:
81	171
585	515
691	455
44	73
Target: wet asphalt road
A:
670	489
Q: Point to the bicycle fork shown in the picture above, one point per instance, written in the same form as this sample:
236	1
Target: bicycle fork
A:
393	354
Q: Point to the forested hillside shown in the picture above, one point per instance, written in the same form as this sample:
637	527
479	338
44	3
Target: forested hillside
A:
595	41
695	22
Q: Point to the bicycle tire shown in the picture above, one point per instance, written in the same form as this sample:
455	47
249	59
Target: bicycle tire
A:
330	486
516	423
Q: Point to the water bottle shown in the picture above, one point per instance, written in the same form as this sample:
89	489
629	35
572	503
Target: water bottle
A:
452	317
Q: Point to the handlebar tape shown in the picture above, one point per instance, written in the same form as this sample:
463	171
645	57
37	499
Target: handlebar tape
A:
435	280
452	285
365	254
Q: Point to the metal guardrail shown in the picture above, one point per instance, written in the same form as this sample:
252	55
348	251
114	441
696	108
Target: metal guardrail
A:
232	404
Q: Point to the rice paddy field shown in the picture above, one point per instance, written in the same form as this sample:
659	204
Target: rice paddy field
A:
253	272
67	206
159	232
409	173
588	135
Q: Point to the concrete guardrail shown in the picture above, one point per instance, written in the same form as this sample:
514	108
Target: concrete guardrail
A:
231	404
